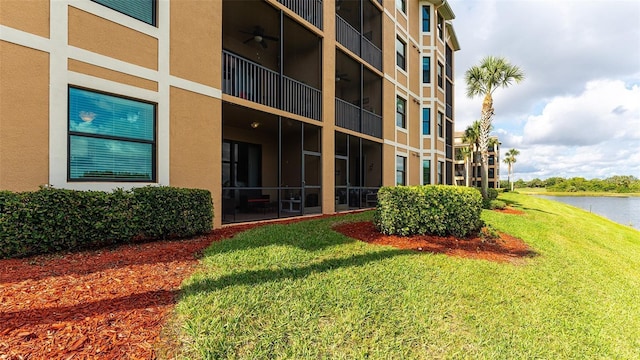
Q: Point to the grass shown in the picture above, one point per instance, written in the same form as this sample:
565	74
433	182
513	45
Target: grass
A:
302	291
543	191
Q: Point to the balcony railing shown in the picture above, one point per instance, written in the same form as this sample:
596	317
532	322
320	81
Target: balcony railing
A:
347	115
301	99
371	53
347	35
247	80
310	10
371	124
354	118
353	40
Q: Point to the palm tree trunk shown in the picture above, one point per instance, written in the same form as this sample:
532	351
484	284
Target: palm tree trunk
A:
510	183
483	143
466	171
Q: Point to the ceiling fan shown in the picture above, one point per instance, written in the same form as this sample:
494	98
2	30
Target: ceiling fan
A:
342	77
259	36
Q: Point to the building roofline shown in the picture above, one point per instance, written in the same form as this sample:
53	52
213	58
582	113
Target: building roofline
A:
445	10
451	33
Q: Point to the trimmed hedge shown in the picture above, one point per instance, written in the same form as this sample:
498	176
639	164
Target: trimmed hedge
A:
497	204
51	220
492	195
431	209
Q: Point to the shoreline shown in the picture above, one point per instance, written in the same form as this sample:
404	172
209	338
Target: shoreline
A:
578	194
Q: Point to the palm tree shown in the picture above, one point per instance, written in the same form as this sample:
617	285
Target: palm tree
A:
471	135
510	159
492	73
465	154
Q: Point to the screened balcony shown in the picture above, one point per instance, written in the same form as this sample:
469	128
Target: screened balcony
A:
358	172
271	166
359	29
271	59
449	100
449	140
449	62
358	103
347	35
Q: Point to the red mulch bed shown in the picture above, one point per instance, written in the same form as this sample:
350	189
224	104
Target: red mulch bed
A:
107	304
510	210
112	303
505	249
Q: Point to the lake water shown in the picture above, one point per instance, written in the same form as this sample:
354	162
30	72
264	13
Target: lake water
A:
623	210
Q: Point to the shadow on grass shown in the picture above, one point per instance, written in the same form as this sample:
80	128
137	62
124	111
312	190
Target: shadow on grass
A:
40	267
256	277
518	205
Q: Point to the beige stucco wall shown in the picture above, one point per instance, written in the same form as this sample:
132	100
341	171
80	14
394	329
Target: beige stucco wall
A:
108	74
195	45
24	118
388	110
195	144
426	141
414	122
388	165
415	168
401	76
388	44
93	33
415	18
401	18
31	16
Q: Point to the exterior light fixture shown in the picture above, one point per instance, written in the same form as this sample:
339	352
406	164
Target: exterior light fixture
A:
255	124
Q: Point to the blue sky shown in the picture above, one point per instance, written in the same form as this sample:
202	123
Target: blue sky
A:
577	113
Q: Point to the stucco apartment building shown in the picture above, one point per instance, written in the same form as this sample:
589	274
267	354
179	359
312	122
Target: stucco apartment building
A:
279	107
473	169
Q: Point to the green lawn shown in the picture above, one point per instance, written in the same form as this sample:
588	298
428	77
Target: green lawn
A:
302	291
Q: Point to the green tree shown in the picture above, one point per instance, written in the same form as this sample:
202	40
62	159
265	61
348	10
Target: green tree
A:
510	159
471	136
553	181
482	80
465	155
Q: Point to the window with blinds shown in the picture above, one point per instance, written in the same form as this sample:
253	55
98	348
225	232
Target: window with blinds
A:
143	10
110	138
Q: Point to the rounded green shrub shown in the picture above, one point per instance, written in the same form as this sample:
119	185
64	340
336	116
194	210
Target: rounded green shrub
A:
430	209
492	193
497	204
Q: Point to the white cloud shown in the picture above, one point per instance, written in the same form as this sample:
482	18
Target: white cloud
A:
605	110
577	113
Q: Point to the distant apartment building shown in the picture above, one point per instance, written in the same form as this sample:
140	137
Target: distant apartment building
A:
468	171
279	107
